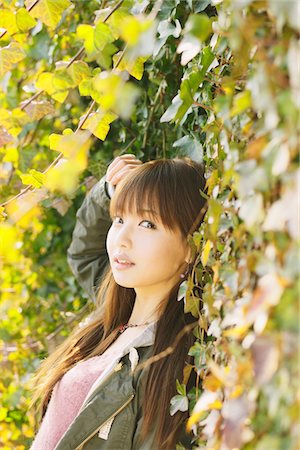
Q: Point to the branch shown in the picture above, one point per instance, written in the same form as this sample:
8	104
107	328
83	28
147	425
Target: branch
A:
169	349
78	55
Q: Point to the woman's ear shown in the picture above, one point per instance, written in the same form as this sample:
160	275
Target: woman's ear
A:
188	256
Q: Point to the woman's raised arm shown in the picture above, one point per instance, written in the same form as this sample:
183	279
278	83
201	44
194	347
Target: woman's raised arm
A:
87	255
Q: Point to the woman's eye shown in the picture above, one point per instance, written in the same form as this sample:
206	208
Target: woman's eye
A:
115	218
152	226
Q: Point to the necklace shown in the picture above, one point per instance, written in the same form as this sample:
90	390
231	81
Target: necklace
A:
124	326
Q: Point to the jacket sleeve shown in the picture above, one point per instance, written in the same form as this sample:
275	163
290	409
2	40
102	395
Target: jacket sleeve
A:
87	255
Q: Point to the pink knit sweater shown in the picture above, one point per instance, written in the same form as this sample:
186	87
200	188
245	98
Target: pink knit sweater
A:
71	390
67	397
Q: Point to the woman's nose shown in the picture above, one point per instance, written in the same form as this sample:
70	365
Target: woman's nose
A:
123	236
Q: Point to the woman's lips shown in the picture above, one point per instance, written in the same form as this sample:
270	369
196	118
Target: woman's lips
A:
122	266
119	264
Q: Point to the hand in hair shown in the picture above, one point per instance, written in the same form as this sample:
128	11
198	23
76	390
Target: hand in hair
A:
120	166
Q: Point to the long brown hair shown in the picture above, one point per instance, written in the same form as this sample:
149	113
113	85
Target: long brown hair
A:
174	188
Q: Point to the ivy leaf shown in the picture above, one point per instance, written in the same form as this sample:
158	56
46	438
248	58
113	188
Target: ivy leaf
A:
78	71
179	403
132	27
24	21
38	110
189	147
98	124
205	252
8	21
181	388
55	84
13	121
10	55
102	36
241	102
182	290
48	11
134	67
37	179
199	25
104	58
171	112
5	137
197	29
191	82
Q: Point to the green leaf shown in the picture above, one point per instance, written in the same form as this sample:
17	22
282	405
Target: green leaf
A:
104	58
102	36
48	11
181	388
9	56
199	26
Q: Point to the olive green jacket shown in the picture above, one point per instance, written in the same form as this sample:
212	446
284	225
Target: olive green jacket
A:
113	409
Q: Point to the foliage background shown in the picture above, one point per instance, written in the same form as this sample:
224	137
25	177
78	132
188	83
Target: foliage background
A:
218	81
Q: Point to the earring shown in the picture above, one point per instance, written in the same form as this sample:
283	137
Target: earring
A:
183	275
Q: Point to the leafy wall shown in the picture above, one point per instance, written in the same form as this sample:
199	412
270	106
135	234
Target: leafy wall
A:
82	82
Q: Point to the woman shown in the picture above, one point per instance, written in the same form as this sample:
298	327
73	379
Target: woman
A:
98	390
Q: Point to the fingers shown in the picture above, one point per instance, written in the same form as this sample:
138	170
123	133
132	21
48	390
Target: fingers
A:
122	172
120	166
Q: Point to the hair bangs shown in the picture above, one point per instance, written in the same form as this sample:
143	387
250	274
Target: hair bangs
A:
147	193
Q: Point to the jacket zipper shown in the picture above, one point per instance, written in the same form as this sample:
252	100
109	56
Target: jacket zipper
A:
80	446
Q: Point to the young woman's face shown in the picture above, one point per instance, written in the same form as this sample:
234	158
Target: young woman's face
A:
158	255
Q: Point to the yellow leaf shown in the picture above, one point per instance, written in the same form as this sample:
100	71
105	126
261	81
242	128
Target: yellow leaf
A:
116	22
236	332
107	87
38	110
86	32
24	209
8	21
241	102
8	243
217	404
24	21
48	11
46	81
135	67
2	214
63	177
238	390
34	177
205	253
98	124
131	28
79	71
193	419
10	55
102	36
211	383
